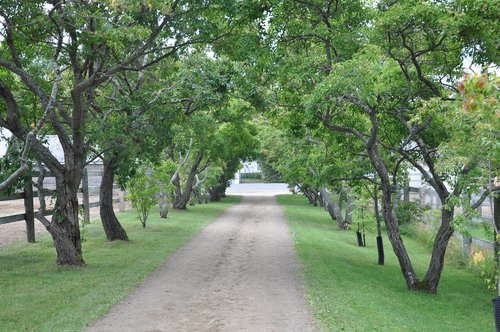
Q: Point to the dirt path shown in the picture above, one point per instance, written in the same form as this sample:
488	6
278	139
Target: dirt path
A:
239	274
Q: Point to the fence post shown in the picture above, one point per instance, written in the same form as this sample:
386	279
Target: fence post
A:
466	245
422	196
29	210
406	194
121	205
85	192
480	210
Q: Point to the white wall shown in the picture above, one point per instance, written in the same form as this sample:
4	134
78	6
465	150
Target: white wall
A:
3	144
52	142
250	167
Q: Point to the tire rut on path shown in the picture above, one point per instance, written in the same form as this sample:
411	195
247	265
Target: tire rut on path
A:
239	274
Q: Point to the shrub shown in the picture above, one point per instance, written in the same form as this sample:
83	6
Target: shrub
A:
251	176
487	268
420	232
409	212
455	255
143	189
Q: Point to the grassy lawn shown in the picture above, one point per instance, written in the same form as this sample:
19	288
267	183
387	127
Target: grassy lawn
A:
348	291
37	295
478	230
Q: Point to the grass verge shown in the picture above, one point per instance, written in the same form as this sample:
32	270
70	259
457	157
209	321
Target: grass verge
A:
348	291
37	295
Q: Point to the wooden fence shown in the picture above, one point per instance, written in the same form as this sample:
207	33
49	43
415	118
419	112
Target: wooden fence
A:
28	194
426	196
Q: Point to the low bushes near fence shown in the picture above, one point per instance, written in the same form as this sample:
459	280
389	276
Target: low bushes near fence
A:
37	295
348	290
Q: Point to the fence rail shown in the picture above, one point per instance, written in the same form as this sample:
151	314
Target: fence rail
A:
29	194
427	196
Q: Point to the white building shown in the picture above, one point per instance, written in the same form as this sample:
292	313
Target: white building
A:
50	141
3	144
248	167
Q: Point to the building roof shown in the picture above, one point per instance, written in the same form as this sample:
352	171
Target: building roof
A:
51	141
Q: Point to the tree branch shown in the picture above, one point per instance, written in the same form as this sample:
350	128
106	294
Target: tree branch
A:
484	195
327	123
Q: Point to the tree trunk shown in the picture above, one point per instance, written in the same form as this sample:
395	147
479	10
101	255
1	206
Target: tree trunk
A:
332	208
412	281
214	194
197	194
112	227
377	211
64	227
311	196
348	210
163	203
321	203
177	191
431	280
314	198
66	236
380	243
182	197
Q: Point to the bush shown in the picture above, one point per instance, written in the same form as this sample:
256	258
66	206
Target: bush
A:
425	234
251	176
143	189
420	232
455	255
487	268
409	212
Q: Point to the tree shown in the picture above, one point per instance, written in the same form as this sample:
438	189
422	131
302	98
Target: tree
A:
143	190
373	92
132	120
220	138
235	141
85	44
384	99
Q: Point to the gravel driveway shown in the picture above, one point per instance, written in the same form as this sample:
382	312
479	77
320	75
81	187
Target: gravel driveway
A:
239	274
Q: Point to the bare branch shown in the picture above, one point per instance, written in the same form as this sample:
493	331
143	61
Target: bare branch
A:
310	139
40	215
140	75
182	161
198	181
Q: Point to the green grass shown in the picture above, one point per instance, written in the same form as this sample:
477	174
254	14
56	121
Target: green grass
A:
348	291
38	295
478	230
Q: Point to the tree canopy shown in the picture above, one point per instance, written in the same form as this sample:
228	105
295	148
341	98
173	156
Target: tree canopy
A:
337	96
